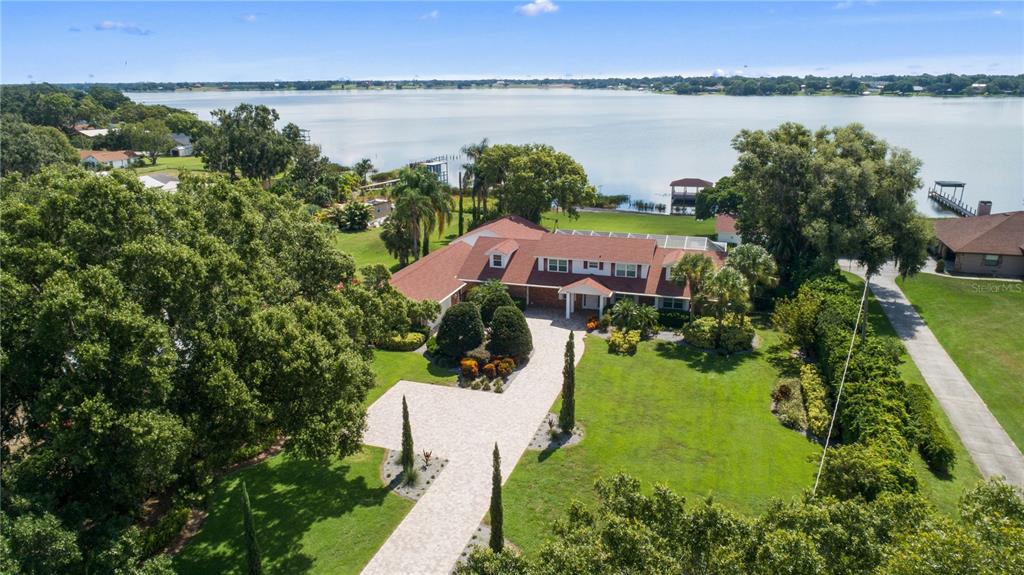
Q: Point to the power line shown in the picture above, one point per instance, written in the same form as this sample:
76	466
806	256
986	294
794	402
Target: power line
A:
842	381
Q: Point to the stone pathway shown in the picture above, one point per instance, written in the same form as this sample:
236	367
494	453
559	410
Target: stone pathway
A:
990	447
462	426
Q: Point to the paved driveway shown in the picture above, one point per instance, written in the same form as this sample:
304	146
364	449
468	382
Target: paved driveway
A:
463	425
990	447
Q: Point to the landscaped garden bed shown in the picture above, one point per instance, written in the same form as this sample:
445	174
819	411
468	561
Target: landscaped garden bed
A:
550	436
427	466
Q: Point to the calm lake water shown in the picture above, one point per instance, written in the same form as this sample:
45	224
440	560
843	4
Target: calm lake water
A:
636	143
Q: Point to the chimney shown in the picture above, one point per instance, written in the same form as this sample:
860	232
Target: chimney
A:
984	208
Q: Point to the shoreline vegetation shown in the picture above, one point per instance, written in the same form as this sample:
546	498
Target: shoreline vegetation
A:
943	85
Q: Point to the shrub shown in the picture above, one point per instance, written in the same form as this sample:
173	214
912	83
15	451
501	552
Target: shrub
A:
461	330
624	342
505	367
469	368
605	322
940	266
170	525
700	332
789	407
510	335
592	325
520	303
491	302
737	337
672	319
628	315
933	442
432	346
405	342
815	402
865	470
480	354
490	370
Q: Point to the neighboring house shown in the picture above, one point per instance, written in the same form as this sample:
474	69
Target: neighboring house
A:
983	245
684	199
577	271
183	145
100	158
92	132
725	229
165	182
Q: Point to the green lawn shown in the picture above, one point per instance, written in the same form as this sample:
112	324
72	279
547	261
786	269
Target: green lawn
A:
638	223
171	165
944	492
697	423
310	517
979	325
391	366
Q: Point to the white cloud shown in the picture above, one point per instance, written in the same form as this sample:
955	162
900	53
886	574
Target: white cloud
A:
111	25
537	7
997	12
718	73
248	18
432	15
843	5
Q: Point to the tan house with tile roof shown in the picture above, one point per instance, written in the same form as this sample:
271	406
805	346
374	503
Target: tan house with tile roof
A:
584	271
991	245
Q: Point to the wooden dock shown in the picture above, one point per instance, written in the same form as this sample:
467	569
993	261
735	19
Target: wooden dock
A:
949	200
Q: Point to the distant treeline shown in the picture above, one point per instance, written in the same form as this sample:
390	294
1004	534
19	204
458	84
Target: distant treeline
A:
923	84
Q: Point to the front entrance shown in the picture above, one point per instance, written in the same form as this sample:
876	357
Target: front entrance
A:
591	302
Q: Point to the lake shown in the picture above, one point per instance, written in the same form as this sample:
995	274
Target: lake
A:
636	143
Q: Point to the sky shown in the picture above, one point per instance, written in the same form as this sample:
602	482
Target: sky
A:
238	41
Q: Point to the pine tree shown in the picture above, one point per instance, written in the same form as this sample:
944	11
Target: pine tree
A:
252	548
567	416
497	532
408	456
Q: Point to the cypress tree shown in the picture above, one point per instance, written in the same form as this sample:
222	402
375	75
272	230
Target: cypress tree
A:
497	532
567	415
252	549
408	458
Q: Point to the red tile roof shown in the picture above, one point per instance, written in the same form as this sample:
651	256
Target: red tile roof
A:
997	234
105	156
434	276
590	283
505	247
725	224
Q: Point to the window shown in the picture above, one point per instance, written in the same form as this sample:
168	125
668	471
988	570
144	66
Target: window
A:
626	270
496	261
992	260
591	265
673	303
558	265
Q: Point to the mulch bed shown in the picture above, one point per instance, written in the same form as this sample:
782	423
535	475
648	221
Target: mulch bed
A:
544	440
391	474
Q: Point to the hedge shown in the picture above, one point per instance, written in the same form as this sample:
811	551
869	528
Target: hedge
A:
815	401
672	319
933	443
404	342
159	536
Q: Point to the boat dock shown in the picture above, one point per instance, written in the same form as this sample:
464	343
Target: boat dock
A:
944	193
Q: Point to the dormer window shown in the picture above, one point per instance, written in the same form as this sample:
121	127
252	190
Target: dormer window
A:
497	261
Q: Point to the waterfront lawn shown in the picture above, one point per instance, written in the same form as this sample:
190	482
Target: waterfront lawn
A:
367	248
944	492
699	424
392	366
311	517
172	165
979	325
632	222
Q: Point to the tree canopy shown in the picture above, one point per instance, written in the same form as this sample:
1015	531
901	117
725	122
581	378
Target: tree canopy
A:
528	179
245	141
26	149
810	198
148	337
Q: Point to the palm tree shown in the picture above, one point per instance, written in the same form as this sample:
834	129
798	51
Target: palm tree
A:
422	203
729	290
363	168
693	270
756	265
471	179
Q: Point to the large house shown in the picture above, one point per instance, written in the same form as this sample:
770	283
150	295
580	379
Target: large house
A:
725	229
182	145
984	245
577	271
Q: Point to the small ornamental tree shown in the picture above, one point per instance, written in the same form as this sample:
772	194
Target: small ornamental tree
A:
254	564
407	457
567	415
497	519
510	335
461	330
491	302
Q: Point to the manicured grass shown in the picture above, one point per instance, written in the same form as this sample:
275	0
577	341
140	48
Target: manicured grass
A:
979	323
310	517
699	424
637	223
172	165
944	492
392	366
367	248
